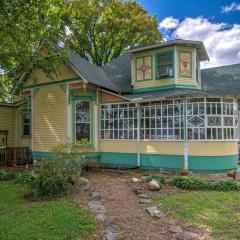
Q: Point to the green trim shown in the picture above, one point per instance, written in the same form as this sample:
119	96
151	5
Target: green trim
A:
159	161
118	159
170	86
156	64
37	85
179	59
170	162
197	70
144	79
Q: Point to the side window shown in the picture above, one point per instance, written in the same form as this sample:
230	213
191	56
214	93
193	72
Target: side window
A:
27	123
164	65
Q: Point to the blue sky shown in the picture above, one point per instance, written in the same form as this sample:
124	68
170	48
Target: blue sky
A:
215	22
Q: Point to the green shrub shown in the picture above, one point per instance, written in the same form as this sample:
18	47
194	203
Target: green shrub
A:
52	177
25	178
187	182
159	179
6	176
197	183
224	185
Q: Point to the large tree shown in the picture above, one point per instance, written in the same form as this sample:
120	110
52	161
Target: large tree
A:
101	29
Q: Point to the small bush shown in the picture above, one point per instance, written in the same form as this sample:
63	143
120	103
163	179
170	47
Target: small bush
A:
197	183
6	176
25	178
159	179
52	177
224	185
187	182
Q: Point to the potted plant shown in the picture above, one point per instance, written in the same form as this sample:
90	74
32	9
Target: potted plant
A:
184	172
231	173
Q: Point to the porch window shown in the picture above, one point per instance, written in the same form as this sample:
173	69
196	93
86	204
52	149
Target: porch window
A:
213	119
27	123
82	121
164	65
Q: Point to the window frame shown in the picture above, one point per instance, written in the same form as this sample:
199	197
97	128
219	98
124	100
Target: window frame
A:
170	52
191	64
136	68
74	122
28	111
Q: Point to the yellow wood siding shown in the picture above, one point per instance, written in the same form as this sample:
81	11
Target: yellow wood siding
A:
7	122
38	76
198	148
49	118
123	146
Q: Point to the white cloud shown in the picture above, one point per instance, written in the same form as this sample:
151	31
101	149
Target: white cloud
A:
231	8
221	41
169	23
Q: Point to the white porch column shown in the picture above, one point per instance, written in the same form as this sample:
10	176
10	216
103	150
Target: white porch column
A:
68	117
185	151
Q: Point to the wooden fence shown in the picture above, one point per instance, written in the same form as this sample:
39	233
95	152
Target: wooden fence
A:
14	156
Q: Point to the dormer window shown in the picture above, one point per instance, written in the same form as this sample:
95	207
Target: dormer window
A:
144	68
164	65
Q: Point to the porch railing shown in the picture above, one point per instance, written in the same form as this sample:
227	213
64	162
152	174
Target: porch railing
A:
14	156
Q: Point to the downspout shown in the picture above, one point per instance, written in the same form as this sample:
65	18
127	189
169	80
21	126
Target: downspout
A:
138	136
185	152
97	124
32	129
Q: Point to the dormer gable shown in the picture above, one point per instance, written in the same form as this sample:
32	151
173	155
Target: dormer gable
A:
173	64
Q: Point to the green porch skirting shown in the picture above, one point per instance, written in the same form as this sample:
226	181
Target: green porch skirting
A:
170	162
158	161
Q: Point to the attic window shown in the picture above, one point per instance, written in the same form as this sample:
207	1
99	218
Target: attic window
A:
164	65
144	68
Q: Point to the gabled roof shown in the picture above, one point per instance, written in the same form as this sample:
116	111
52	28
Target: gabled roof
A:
201	50
90	72
223	80
119	71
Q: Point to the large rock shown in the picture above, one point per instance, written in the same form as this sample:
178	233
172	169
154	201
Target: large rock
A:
153	185
154	212
187	236
84	181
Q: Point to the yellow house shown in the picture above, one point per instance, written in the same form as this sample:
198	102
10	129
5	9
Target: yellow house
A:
152	107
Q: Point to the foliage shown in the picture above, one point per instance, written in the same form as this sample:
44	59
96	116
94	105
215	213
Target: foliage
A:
218	211
187	182
224	185
49	220
57	175
6	175
25	178
102	29
197	183
159	179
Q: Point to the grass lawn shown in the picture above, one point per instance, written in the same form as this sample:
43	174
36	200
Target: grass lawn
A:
21	220
219	211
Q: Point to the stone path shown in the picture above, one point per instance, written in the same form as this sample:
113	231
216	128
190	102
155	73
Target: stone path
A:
126	211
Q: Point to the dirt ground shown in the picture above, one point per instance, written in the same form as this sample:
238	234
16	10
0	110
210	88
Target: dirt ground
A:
130	219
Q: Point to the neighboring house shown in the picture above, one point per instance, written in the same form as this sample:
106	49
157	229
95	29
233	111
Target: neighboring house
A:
151	108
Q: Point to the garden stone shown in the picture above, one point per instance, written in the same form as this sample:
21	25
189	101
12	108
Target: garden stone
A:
101	217
95	195
83	180
143	201
109	234
136	180
154	212
153	185
175	229
187	236
143	195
